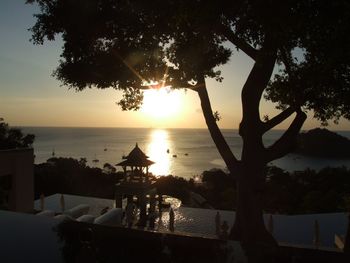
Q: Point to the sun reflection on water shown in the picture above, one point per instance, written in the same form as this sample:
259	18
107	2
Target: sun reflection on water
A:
157	151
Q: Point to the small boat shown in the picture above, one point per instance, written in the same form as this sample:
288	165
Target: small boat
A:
167	151
105	149
95	160
186	154
174	155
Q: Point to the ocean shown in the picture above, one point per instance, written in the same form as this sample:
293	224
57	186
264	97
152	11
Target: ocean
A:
191	151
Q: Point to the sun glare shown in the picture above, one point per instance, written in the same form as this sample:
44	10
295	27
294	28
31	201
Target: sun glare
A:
161	103
157	150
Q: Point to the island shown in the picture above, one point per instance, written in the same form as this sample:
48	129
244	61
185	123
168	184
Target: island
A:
323	143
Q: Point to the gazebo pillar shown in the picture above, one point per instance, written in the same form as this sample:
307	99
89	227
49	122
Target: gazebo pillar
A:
118	201
130	199
125	175
160	200
143	212
152	203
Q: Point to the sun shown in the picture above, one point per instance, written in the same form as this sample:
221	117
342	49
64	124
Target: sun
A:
162	103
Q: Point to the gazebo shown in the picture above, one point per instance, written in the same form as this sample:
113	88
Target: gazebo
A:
137	182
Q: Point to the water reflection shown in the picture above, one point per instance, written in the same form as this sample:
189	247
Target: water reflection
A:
157	151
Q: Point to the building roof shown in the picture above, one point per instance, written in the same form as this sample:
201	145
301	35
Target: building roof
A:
136	158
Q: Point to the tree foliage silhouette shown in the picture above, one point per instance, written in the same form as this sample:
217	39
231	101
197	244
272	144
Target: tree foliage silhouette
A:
12	138
124	44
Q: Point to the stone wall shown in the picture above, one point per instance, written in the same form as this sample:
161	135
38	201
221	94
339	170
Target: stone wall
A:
17	165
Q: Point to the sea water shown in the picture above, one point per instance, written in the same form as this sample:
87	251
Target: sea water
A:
180	152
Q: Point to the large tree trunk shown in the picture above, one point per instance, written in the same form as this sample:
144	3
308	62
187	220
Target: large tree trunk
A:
249	227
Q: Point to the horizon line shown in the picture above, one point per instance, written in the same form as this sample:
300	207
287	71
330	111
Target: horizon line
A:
164	128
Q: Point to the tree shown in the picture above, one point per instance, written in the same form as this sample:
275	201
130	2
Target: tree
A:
11	138
126	44
109	169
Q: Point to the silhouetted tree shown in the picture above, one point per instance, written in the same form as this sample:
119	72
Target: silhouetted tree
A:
11	138
325	191
108	168
72	176
125	44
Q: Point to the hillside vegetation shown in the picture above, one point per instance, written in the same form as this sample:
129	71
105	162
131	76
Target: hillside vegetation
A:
323	143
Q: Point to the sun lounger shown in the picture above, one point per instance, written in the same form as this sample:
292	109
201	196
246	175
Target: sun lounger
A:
47	213
86	218
111	218
78	211
63	218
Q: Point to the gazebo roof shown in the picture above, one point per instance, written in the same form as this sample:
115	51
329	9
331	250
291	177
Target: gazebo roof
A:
136	158
137	153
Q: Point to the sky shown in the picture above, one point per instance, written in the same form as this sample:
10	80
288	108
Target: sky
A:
30	96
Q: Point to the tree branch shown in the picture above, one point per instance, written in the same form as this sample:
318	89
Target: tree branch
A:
287	142
239	43
219	140
287	60
268	125
255	85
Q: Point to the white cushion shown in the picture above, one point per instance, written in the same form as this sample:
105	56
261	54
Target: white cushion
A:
63	218
111	218
47	213
86	218
78	211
